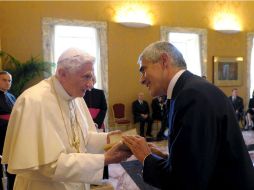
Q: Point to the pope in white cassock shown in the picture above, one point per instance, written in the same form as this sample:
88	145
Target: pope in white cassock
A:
51	141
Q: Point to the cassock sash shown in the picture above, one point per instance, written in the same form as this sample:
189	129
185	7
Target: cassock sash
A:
5	117
94	112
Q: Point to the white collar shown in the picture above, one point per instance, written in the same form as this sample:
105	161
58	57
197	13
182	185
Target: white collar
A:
173	82
60	90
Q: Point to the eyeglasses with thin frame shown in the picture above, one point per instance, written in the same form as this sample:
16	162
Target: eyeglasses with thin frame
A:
88	77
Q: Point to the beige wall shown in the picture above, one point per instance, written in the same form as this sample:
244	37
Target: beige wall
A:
21	35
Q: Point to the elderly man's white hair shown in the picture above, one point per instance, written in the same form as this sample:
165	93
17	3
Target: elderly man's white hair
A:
73	58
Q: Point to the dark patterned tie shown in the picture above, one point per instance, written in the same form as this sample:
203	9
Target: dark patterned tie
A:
167	110
168	105
170	115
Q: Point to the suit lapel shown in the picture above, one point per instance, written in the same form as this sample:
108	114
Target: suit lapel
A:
180	83
177	89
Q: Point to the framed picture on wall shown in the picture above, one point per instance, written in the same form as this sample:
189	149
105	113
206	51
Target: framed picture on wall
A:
227	71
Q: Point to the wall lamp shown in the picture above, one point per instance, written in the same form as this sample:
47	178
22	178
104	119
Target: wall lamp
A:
134	15
227	23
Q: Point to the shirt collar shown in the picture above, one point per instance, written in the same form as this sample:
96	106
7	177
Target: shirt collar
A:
60	90
173	82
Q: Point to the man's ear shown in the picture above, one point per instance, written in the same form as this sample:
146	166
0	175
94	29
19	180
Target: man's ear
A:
62	73
165	60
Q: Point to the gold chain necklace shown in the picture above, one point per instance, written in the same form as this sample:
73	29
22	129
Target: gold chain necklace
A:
74	141
75	132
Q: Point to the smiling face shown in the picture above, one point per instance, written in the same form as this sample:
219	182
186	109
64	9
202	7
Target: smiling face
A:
159	62
153	77
77	82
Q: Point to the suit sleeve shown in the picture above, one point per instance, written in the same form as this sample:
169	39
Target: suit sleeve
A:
154	108
134	108
135	111
241	107
148	109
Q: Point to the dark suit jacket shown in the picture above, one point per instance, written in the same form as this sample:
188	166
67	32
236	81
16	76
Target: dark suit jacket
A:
95	98
138	109
250	107
251	103
207	150
158	109
237	103
7	101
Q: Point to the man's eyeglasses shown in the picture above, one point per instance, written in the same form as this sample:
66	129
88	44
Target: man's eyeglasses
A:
88	77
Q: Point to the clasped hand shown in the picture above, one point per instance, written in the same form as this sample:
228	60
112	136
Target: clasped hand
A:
140	148
118	153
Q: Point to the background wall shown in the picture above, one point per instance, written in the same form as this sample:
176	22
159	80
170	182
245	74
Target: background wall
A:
21	35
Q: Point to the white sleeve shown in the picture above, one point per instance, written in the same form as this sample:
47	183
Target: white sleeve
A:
96	142
76	167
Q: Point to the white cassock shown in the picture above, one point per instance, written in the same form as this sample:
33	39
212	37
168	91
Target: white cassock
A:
38	141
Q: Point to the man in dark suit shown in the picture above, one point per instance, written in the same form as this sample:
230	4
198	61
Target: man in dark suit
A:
97	105
141	113
206	147
159	113
250	114
7	101
237	102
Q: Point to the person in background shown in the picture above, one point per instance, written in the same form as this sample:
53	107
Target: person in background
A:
141	113
51	141
159	113
237	103
7	101
250	114
206	147
204	77
97	105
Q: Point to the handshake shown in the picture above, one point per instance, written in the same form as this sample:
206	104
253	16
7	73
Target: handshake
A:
128	143
116	139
